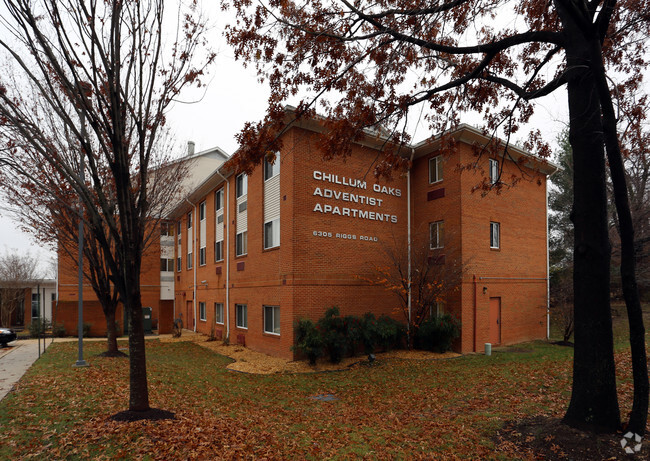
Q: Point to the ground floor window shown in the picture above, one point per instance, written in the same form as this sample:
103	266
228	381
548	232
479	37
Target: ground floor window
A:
272	319
437	309
202	315
218	312
241	315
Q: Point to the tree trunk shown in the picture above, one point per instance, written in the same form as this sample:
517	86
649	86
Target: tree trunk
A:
594	403
139	392
111	330
639	415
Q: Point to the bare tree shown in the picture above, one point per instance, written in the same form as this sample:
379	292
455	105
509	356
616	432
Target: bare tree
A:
105	72
17	272
435	275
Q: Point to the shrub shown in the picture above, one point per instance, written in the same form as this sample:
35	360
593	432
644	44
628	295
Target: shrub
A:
333	330
389	333
353	329
437	333
37	327
58	330
86	329
308	340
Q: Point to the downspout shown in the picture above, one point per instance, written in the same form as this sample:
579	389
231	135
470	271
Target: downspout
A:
475	309
548	280
227	254
408	223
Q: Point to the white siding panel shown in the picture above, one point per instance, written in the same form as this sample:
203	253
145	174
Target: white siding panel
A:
219	226
189	239
202	230
242	218
272	198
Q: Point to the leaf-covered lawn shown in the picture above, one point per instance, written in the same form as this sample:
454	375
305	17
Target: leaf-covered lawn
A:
468	407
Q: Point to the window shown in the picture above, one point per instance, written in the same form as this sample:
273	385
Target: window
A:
202	211
189	220
436	234
202	256
166	265
178	228
435	169
272	234
494	171
218	250
202	315
218	313
189	260
241	244
272	320
35	305
437	309
241	185
495	235
218	200
241	314
272	169
179	264
166	229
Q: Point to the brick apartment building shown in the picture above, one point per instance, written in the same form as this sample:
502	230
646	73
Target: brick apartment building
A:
246	257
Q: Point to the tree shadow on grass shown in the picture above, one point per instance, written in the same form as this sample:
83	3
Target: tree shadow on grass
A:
153	414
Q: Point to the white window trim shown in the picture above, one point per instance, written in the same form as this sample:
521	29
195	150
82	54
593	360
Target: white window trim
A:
246	252
438	160
278	228
215	250
494	171
244	180
264	320
203	316
438	245
215	313
237	319
497	226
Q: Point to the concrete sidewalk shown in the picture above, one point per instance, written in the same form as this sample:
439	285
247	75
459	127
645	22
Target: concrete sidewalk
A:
15	362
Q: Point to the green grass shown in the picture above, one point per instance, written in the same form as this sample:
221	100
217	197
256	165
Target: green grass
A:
396	409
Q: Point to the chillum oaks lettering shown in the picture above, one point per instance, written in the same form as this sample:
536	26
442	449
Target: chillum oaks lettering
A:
353	198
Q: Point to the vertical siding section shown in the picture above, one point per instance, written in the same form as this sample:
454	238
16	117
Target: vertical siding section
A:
272	198
202	233
242	216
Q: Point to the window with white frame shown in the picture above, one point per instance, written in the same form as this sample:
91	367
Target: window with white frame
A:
202	211
436	234
437	309
272	320
167	229
189	220
241	315
218	200
495	235
241	185
202	313
202	256
218	313
435	169
272	234
494	171
179	264
272	169
241	244
189	261
166	265
218	250
178	229
36	297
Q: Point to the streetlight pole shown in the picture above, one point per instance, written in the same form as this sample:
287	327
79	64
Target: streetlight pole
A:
80	317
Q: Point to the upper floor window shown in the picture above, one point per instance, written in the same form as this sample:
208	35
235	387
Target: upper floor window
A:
179	227
272	169
166	229
189	220
495	235
435	169
241	185
436	234
218	200
494	171
202	211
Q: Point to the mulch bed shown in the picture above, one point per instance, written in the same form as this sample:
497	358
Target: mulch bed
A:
547	438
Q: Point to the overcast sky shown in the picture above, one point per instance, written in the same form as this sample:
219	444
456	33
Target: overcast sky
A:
213	116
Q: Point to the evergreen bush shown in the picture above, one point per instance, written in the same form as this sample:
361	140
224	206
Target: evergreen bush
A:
437	333
308	340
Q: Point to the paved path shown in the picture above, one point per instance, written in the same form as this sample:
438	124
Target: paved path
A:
16	361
